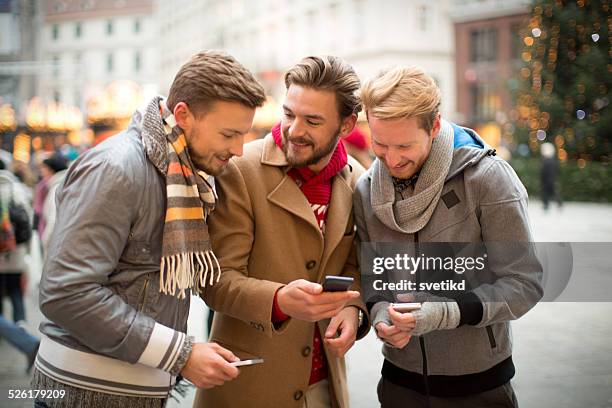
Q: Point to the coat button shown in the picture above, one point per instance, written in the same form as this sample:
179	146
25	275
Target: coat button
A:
306	351
298	395
311	264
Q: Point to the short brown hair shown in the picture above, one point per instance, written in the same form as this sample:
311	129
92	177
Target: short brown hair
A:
328	73
402	92
211	76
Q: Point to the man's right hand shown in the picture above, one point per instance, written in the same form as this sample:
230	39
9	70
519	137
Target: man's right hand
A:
392	335
208	365
305	300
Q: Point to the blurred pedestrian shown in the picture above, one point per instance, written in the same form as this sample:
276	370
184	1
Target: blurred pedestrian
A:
57	165
20	339
357	145
131	243
15	233
48	168
549	171
25	175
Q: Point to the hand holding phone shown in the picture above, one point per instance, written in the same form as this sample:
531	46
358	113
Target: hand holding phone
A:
311	302
209	365
401	316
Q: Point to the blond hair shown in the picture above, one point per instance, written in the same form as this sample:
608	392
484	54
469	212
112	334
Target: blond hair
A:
402	92
328	73
211	76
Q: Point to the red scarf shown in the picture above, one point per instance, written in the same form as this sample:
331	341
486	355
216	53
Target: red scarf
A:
318	189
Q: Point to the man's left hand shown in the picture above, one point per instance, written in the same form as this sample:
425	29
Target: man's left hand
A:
346	323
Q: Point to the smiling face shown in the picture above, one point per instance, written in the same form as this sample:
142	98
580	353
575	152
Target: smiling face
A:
311	126
216	135
401	144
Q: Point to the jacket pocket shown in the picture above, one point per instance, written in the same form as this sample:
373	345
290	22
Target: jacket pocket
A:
137	252
491	336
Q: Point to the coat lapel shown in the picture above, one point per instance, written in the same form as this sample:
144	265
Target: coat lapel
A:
286	194
338	214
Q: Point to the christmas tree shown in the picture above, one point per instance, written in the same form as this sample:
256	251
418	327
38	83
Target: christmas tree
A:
564	97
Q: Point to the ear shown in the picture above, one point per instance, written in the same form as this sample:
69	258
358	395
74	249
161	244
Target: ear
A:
348	124
436	126
183	116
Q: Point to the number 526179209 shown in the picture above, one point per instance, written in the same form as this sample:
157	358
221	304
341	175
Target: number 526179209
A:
31	394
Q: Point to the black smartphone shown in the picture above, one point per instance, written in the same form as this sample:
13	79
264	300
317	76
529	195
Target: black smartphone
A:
337	283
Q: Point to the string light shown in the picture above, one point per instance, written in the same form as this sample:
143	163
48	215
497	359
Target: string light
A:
548	102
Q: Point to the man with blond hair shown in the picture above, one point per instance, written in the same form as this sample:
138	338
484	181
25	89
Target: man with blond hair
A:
131	243
283	223
436	186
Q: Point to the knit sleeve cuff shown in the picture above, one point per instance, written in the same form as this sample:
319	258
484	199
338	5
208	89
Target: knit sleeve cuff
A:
380	313
183	356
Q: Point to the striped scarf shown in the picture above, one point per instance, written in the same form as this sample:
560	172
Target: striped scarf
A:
187	256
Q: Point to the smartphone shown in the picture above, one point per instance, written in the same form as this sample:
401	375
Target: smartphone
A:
405	307
252	361
337	283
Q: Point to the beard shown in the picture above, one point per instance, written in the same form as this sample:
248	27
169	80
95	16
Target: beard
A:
209	165
317	154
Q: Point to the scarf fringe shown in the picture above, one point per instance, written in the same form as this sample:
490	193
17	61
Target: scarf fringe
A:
181	272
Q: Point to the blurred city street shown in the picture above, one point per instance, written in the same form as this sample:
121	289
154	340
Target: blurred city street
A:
562	351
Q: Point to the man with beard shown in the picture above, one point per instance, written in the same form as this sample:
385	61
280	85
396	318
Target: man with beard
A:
284	222
131	242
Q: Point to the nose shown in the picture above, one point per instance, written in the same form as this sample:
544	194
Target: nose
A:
296	129
392	158
237	145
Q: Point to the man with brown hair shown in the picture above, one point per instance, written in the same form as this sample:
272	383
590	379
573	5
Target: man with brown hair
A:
131	243
434	188
283	223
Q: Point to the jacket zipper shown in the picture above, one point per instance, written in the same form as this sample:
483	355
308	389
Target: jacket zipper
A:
144	294
421	339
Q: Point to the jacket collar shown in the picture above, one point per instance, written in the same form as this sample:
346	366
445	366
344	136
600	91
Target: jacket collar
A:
271	155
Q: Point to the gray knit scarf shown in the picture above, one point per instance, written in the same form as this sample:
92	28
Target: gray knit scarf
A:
412	214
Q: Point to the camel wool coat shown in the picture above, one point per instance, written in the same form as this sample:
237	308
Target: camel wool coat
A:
265	235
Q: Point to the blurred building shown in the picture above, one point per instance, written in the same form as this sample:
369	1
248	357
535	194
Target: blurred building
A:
269	36
19	28
93	43
19	68
488	47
